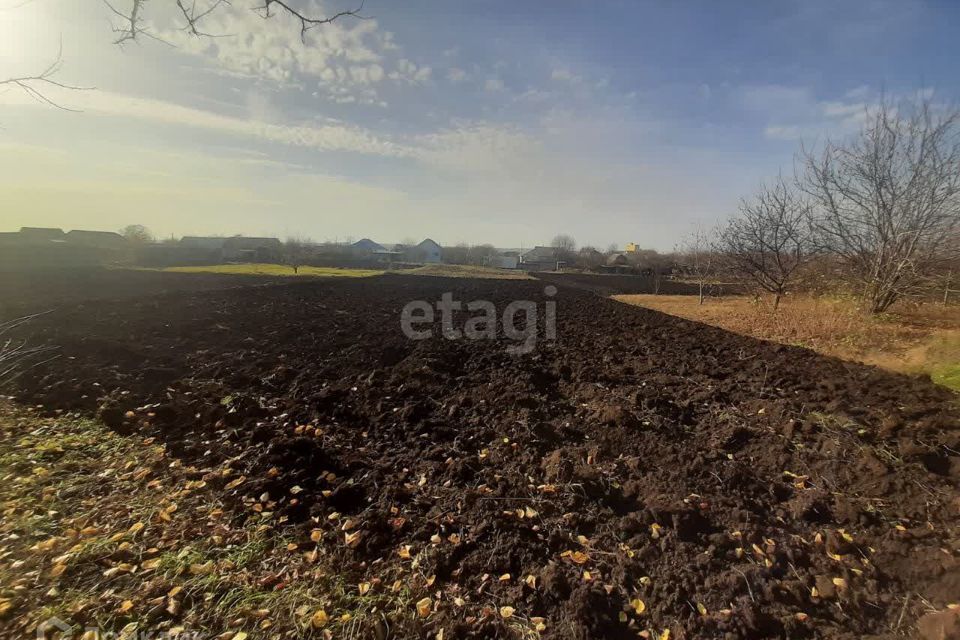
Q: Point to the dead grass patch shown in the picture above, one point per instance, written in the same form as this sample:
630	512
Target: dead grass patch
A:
109	532
910	339
468	271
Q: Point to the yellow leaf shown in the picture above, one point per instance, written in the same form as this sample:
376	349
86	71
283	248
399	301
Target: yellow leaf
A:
840	583
424	606
531	581
655	530
352	539
316	535
241	635
126	606
404	551
319	619
506	612
702	608
202	569
540	624
233	484
639	606
363	588
505	577
577	557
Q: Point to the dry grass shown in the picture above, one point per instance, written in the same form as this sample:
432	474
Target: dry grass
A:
468	271
109	531
911	339
263	269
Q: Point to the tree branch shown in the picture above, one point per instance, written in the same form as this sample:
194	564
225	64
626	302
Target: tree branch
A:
33	85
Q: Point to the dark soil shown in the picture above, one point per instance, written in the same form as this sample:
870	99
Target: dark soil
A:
27	291
739	488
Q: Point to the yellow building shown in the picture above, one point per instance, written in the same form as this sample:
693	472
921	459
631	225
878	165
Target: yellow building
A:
632	247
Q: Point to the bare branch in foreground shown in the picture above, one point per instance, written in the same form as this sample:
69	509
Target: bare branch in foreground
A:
132	22
34	85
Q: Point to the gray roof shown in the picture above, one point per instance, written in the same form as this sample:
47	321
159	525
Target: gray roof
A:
368	245
540	254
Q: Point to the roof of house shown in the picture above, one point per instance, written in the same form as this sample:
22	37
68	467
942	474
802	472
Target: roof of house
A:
209	242
617	258
98	236
244	242
428	243
51	233
368	245
540	254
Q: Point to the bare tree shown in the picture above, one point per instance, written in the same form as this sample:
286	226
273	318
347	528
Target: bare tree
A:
770	239
697	258
565	246
137	234
296	251
888	200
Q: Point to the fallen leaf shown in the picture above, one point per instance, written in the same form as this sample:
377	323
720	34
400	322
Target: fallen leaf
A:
319	619
506	612
639	606
424	606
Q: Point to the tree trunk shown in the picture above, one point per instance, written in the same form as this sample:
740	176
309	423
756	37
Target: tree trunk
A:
701	293
776	300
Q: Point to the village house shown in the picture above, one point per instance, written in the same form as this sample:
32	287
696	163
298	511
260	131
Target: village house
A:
541	259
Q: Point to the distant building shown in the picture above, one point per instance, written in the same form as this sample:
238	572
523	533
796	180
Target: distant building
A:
203	242
427	251
541	259
505	260
41	234
618	260
366	247
632	247
243	249
97	239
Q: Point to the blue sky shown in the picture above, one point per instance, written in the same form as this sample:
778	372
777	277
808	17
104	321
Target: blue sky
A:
483	121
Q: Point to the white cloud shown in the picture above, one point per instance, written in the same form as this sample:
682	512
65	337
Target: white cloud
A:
793	113
565	75
327	137
410	73
493	84
455	74
345	60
